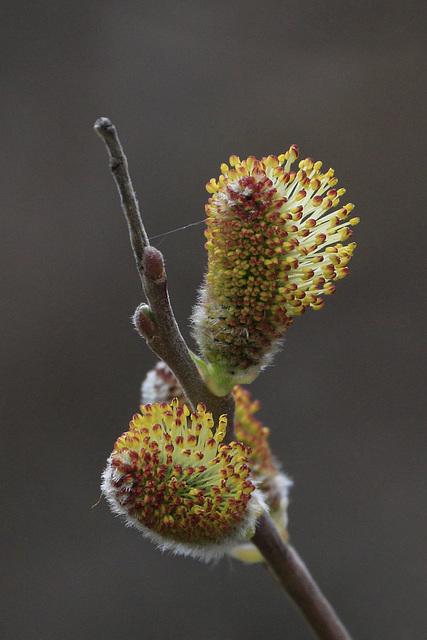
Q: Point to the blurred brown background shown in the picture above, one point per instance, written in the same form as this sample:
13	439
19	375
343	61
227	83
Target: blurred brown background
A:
188	84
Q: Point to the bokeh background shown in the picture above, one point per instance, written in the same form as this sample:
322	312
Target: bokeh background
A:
188	84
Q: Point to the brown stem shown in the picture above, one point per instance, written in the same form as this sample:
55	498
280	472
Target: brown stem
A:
292	574
167	341
119	168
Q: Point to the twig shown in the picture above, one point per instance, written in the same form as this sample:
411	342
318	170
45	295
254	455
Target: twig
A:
294	577
157	324
119	168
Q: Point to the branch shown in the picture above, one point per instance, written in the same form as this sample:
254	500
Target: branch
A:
157	322
294	577
119	168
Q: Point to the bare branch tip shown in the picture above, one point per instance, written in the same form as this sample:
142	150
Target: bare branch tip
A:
104	126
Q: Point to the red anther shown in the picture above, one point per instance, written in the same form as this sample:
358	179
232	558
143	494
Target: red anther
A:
295	149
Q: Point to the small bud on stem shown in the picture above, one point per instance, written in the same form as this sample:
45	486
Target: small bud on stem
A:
154	266
142	320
